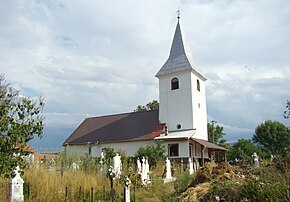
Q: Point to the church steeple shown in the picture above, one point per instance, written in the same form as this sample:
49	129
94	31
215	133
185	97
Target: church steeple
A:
180	58
182	103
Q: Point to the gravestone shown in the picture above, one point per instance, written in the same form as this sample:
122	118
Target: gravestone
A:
16	186
117	165
168	177
145	172
147	168
102	162
111	176
272	158
190	166
139	168
256	159
75	166
127	189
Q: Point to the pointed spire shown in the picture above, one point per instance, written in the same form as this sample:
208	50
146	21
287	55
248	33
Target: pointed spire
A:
178	14
180	58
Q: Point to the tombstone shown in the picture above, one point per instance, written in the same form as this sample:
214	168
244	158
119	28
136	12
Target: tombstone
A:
168	177
102	162
272	158
256	159
16	187
139	168
145	172
147	169
127	189
75	166
190	166
117	165
111	176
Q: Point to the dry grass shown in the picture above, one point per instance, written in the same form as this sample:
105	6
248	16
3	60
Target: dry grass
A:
49	185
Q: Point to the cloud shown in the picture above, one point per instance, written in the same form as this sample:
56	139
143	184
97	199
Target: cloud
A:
100	58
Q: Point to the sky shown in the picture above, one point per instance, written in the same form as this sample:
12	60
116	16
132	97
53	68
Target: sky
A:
90	58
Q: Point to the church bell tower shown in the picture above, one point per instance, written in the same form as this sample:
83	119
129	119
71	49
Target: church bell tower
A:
182	90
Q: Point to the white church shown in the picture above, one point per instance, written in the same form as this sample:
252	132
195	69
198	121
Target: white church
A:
180	122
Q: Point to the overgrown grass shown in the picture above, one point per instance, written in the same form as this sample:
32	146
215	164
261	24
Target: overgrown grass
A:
260	184
49	185
269	184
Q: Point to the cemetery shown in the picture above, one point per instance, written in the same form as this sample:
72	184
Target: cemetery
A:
121	178
169	153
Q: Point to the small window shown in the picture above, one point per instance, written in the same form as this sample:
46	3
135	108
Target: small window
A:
178	126
174	84
172	149
197	85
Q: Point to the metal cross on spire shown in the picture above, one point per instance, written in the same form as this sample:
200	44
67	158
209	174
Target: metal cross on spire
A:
178	13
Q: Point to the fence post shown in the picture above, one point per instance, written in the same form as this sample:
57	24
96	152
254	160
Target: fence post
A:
65	194
92	194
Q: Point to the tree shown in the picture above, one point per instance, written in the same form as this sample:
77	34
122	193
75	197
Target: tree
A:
274	137
154	153
20	121
149	106
244	150
287	111
215	133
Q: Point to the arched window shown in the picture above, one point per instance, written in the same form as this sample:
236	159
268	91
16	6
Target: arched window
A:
197	85
174	84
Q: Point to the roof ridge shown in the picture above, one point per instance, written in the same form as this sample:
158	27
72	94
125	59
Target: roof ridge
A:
110	115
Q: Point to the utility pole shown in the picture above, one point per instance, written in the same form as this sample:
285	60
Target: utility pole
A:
213	129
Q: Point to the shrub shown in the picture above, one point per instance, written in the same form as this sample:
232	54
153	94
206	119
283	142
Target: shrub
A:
154	153
182	181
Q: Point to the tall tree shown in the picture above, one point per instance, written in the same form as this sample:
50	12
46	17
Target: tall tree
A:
243	149
20	121
274	137
149	106
287	111
215	133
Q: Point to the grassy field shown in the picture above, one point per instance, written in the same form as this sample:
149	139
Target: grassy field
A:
229	183
78	185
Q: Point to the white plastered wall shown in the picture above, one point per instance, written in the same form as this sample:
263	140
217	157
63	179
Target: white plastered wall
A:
176	105
126	148
199	108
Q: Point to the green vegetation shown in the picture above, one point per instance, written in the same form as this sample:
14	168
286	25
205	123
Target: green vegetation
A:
215	133
20	121
155	153
274	137
149	106
287	111
244	150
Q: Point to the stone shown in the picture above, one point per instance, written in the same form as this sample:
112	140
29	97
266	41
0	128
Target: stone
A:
190	166
168	176
117	165
127	182
145	172
139	168
256	159
16	186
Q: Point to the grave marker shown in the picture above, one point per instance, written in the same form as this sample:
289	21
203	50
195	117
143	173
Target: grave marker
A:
127	189
16	186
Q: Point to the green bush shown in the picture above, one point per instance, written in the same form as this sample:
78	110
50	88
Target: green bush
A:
154	153
271	185
182	181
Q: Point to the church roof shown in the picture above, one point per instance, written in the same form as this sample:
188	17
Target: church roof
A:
132	126
180	58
